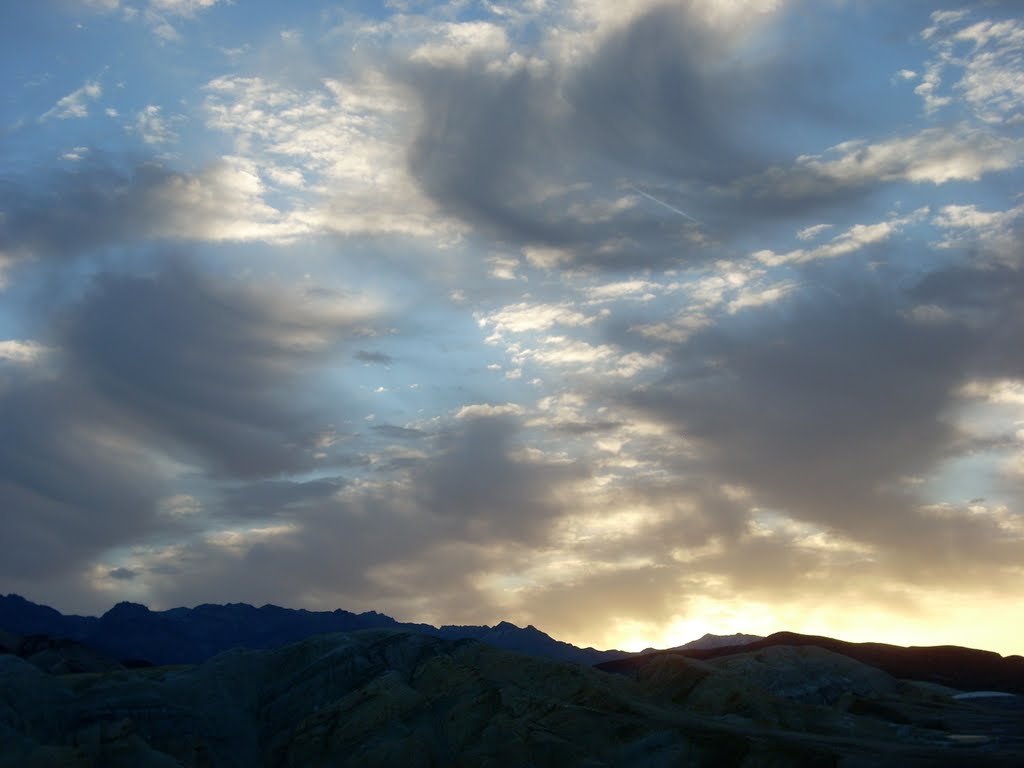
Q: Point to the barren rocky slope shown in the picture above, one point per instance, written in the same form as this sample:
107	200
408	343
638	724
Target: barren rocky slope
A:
384	698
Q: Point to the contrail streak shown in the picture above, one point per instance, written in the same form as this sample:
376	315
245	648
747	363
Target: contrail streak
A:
663	204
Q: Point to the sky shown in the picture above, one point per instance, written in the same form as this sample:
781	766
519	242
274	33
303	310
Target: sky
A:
631	321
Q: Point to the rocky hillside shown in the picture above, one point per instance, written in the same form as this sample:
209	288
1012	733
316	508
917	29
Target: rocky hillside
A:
392	698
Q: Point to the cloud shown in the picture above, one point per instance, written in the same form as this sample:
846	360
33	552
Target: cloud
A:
809	233
486	410
544	158
181	7
854	239
377	358
76	103
457	43
207	368
152	127
525	317
401	433
155	376
989	54
413	542
69	214
340	145
933	155
861	397
996	232
23	352
71	485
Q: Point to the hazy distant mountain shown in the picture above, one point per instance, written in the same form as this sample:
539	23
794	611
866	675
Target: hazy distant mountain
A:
721	641
948	665
391	698
132	632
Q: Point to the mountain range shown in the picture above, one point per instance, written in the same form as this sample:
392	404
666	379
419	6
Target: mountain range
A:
132	633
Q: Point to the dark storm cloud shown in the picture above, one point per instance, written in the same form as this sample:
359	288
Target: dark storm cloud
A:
175	365
398	543
265	499
653	106
67	213
989	298
208	369
827	406
479	484
70	485
650	100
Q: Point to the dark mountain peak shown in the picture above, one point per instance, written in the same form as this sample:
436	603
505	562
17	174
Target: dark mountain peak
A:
13	602
127	610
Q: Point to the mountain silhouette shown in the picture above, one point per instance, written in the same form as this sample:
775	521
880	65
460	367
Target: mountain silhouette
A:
947	665
131	632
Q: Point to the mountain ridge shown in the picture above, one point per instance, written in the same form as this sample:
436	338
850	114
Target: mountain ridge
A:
132	632
948	665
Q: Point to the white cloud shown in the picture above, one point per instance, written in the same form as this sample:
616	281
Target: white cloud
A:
676	331
454	44
544	257
504	268
934	155
240	540
581	356
23	352
286	177
484	410
965	225
760	297
809	233
186	8
856	237
1001	391
564	351
525	317
989	55
341	145
223	203
622	289
76	103
630	364
153	127
75	154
